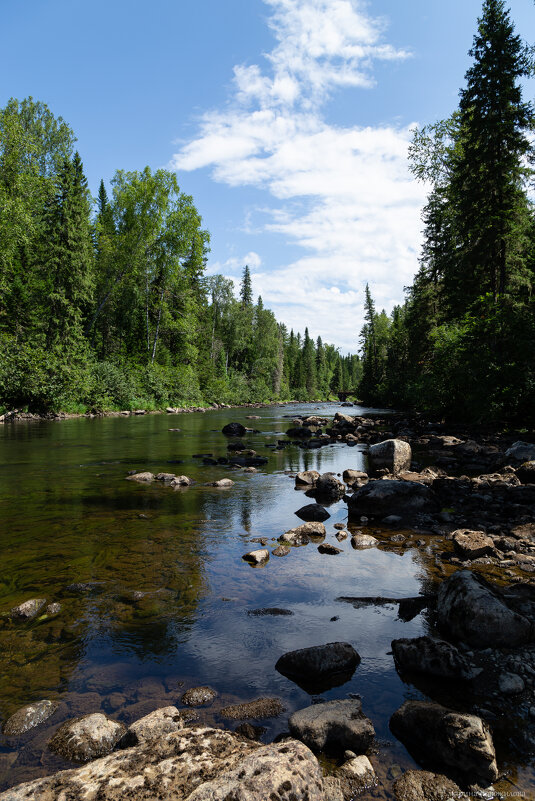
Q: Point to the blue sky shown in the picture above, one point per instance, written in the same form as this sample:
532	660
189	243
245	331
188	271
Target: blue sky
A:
287	120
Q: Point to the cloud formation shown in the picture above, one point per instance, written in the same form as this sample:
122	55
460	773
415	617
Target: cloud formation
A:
343	194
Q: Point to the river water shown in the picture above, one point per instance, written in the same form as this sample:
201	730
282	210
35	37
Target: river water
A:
68	515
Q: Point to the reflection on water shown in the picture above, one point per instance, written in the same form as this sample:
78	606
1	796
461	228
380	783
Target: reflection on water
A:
170	607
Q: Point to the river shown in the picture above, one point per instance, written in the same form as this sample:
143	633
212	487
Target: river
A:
68	515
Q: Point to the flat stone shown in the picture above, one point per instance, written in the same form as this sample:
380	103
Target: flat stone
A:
258	557
145	477
199	696
28	717
335	725
87	738
222	483
472	544
258	710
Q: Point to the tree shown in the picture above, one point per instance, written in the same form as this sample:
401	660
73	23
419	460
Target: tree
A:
246	289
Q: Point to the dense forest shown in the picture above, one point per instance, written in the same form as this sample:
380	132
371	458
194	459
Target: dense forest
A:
463	343
105	304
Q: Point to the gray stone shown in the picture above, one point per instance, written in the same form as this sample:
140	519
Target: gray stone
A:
86	738
421	785
53	609
199	696
353	476
157	724
363	541
520	452
356	775
301	535
259	557
145	477
385	497
394	454
337	725
306	478
472	544
181	481
281	550
329	664
432	657
28	610
222	483
447	740
469	609
166	477
28	717
329	488
511	684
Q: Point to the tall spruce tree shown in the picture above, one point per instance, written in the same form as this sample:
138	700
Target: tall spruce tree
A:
246	289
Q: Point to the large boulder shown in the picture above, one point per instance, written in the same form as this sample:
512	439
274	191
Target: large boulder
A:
439	738
234	430
393	454
432	657
320	666
313	512
471	610
28	717
520	452
86	738
335	725
382	498
197	764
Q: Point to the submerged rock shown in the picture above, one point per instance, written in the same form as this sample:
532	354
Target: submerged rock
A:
28	717
86	738
335	725
447	740
199	696
270	611
258	710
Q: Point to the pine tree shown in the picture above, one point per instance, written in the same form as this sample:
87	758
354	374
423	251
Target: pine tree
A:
246	289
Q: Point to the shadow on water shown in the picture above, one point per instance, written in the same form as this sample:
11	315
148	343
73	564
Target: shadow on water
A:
169	609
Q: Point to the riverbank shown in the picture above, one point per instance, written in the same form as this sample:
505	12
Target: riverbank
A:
408	562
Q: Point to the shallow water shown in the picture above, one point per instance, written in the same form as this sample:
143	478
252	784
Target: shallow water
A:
68	515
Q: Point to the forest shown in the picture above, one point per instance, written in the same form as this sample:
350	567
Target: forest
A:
105	303
463	343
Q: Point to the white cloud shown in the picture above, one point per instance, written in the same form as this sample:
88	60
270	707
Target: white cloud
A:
343	194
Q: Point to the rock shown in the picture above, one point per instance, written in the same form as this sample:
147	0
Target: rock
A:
344	419
199	696
511	684
287	771
306	478
447	740
335	725
223	482
86	738
27	610
234	430
472	544
526	472
363	541
274	611
259	709
250	731
259	557
28	717
420	785
157	724
301	535
145	477
181	481
319	666
520	452
53	609
166	477
332	789
381	498
341	535
469	609
313	512
281	550
327	548
329	488
356	775
354	476
394	454
432	657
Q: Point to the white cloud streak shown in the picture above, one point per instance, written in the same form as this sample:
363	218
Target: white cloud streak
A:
343	194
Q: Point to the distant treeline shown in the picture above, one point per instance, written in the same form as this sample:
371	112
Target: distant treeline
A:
463	344
105	303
